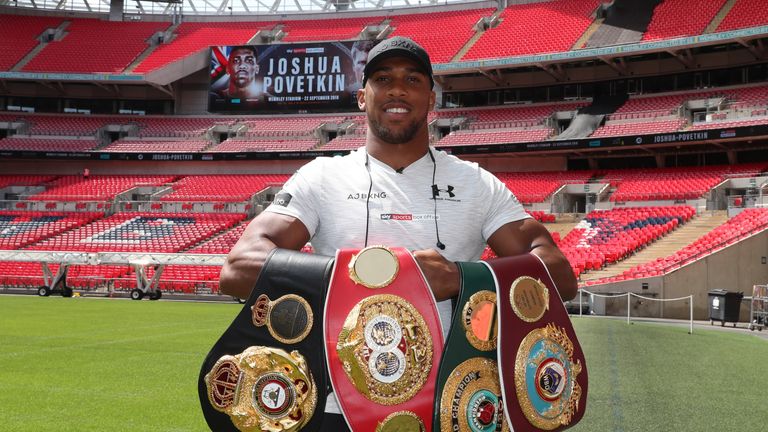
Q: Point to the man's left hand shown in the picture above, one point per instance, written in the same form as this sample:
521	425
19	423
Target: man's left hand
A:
442	275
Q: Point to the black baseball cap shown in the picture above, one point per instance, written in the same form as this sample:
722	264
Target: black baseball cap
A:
398	46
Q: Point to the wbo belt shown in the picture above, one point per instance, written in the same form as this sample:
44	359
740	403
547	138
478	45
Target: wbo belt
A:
468	394
267	371
542	367
383	340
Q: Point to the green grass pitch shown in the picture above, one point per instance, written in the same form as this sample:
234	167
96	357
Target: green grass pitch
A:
85	364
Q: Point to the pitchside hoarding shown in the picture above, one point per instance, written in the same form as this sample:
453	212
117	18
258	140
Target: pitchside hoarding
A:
287	78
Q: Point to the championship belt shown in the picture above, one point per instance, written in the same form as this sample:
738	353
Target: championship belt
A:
543	371
266	372
468	394
383	340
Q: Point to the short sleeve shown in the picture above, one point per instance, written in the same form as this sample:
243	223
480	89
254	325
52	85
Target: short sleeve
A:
503	206
298	197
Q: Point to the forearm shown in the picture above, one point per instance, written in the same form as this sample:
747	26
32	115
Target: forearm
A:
242	268
559	268
244	262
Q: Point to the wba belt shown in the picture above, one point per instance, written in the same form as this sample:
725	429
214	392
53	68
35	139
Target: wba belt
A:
267	371
542	367
383	340
468	395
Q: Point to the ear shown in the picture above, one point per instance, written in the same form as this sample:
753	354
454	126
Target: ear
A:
432	100
361	99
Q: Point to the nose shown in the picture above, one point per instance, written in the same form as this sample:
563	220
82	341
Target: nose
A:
397	87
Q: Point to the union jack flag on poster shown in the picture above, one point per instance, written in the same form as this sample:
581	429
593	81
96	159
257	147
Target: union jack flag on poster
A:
219	62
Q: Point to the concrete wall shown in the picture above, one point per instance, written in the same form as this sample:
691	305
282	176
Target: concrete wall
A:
149	168
736	268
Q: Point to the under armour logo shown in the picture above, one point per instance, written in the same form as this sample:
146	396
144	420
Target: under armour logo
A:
436	191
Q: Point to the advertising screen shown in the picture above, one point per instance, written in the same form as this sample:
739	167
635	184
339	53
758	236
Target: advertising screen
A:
287	78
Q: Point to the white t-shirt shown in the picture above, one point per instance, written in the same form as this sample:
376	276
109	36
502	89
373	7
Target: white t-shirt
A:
330	197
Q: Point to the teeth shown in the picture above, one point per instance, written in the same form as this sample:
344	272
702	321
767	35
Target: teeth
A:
397	110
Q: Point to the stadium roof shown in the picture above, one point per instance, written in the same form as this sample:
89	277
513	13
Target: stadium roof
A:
227	7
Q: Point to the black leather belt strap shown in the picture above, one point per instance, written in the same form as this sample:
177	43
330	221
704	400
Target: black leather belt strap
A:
276	316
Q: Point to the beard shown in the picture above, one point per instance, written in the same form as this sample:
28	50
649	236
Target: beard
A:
389	136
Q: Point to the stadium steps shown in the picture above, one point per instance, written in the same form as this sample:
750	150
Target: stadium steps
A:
479	31
561	227
150	49
582	41
625	22
36	50
718	19
665	246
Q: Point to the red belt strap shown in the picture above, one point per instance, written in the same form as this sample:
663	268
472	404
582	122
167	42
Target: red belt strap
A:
383	344
541	365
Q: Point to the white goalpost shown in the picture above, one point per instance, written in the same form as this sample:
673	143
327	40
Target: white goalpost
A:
629	296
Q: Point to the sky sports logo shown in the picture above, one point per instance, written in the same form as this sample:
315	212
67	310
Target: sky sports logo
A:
407	217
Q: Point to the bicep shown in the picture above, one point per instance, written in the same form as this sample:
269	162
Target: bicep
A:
275	230
519	237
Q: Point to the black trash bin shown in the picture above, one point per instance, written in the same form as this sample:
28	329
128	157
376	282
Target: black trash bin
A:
724	306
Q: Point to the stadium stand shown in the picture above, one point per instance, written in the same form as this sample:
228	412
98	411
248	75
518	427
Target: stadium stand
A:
155	127
715	124
133	145
745	13
24	180
66	124
515	116
621	128
345	142
92	46
285	126
534	187
606	236
265	145
533	24
326	29
20	35
672	183
673	18
47	144
193	37
128	232
19	229
745	224
476	137
23	274
429	30
231	187
96	187
192	279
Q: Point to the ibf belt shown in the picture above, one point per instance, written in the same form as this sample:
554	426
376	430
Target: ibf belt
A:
542	367
383	340
468	394
266	372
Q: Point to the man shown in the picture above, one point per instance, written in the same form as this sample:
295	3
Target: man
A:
359	55
242	68
396	191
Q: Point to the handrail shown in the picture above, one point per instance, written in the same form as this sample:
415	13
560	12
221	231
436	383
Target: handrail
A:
716	247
